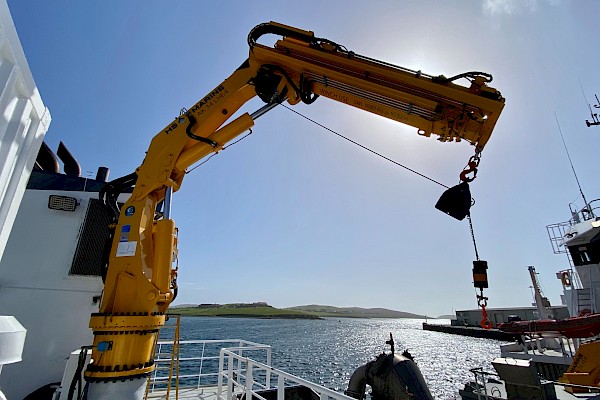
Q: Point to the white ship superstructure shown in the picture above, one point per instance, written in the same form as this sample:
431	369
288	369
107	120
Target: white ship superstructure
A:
580	239
51	265
23	125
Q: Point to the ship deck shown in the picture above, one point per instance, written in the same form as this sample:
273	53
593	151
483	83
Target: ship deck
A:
226	370
229	370
204	393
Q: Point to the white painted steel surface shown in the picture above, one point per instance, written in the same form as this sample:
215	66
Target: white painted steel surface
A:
199	367
134	389
242	375
35	287
24	121
12	340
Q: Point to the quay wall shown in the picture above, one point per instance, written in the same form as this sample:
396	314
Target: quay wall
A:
470	331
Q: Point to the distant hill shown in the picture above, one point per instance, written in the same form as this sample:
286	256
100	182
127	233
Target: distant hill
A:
182	305
240	310
312	311
448	316
353	312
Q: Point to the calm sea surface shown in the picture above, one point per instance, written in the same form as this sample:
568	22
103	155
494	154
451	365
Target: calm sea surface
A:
328	351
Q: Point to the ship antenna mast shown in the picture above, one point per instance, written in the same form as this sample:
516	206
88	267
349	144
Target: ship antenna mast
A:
589	209
595	119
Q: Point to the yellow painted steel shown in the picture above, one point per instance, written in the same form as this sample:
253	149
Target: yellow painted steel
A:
130	344
164	237
455	112
224	135
584	369
140	268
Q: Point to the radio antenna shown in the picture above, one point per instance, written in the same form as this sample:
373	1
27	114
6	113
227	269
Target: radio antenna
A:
591	212
595	120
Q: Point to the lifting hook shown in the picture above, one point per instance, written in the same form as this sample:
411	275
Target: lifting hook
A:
471	168
482	302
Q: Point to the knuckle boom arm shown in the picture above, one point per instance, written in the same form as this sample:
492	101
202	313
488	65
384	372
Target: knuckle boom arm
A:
140	280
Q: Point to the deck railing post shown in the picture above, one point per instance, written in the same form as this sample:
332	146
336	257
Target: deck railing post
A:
268	377
201	363
249	379
230	376
220	374
280	387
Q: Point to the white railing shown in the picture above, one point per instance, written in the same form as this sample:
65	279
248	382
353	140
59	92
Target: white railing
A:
241	376
226	366
198	364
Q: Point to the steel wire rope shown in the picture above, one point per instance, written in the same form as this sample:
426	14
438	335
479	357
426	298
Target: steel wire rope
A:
394	162
473	236
359	145
365	147
336	133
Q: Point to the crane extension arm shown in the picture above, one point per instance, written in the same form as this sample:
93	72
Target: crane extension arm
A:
139	281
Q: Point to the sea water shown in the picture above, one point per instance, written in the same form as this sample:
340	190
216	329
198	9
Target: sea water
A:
328	351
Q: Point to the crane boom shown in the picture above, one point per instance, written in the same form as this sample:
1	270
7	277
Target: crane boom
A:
435	105
139	278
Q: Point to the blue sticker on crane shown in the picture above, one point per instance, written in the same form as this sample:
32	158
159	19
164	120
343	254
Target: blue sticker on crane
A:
125	233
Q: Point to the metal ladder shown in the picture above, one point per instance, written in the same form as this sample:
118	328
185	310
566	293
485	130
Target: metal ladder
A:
172	357
584	300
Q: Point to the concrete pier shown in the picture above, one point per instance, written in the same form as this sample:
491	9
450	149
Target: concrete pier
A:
470	331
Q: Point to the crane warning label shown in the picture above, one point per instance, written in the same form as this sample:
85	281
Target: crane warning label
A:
126	249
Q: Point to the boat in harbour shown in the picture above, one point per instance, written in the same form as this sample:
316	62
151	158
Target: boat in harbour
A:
555	358
584	326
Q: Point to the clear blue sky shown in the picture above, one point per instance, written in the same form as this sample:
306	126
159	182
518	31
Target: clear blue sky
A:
294	215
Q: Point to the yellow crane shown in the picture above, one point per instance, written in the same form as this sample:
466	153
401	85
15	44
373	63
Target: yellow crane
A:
140	279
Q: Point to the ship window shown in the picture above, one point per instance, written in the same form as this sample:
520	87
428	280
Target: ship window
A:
585	257
93	235
586	254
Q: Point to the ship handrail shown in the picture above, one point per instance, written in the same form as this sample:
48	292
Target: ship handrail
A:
198	368
585	213
242	376
236	374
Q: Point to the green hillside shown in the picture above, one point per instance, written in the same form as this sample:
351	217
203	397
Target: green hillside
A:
353	312
263	310
241	311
